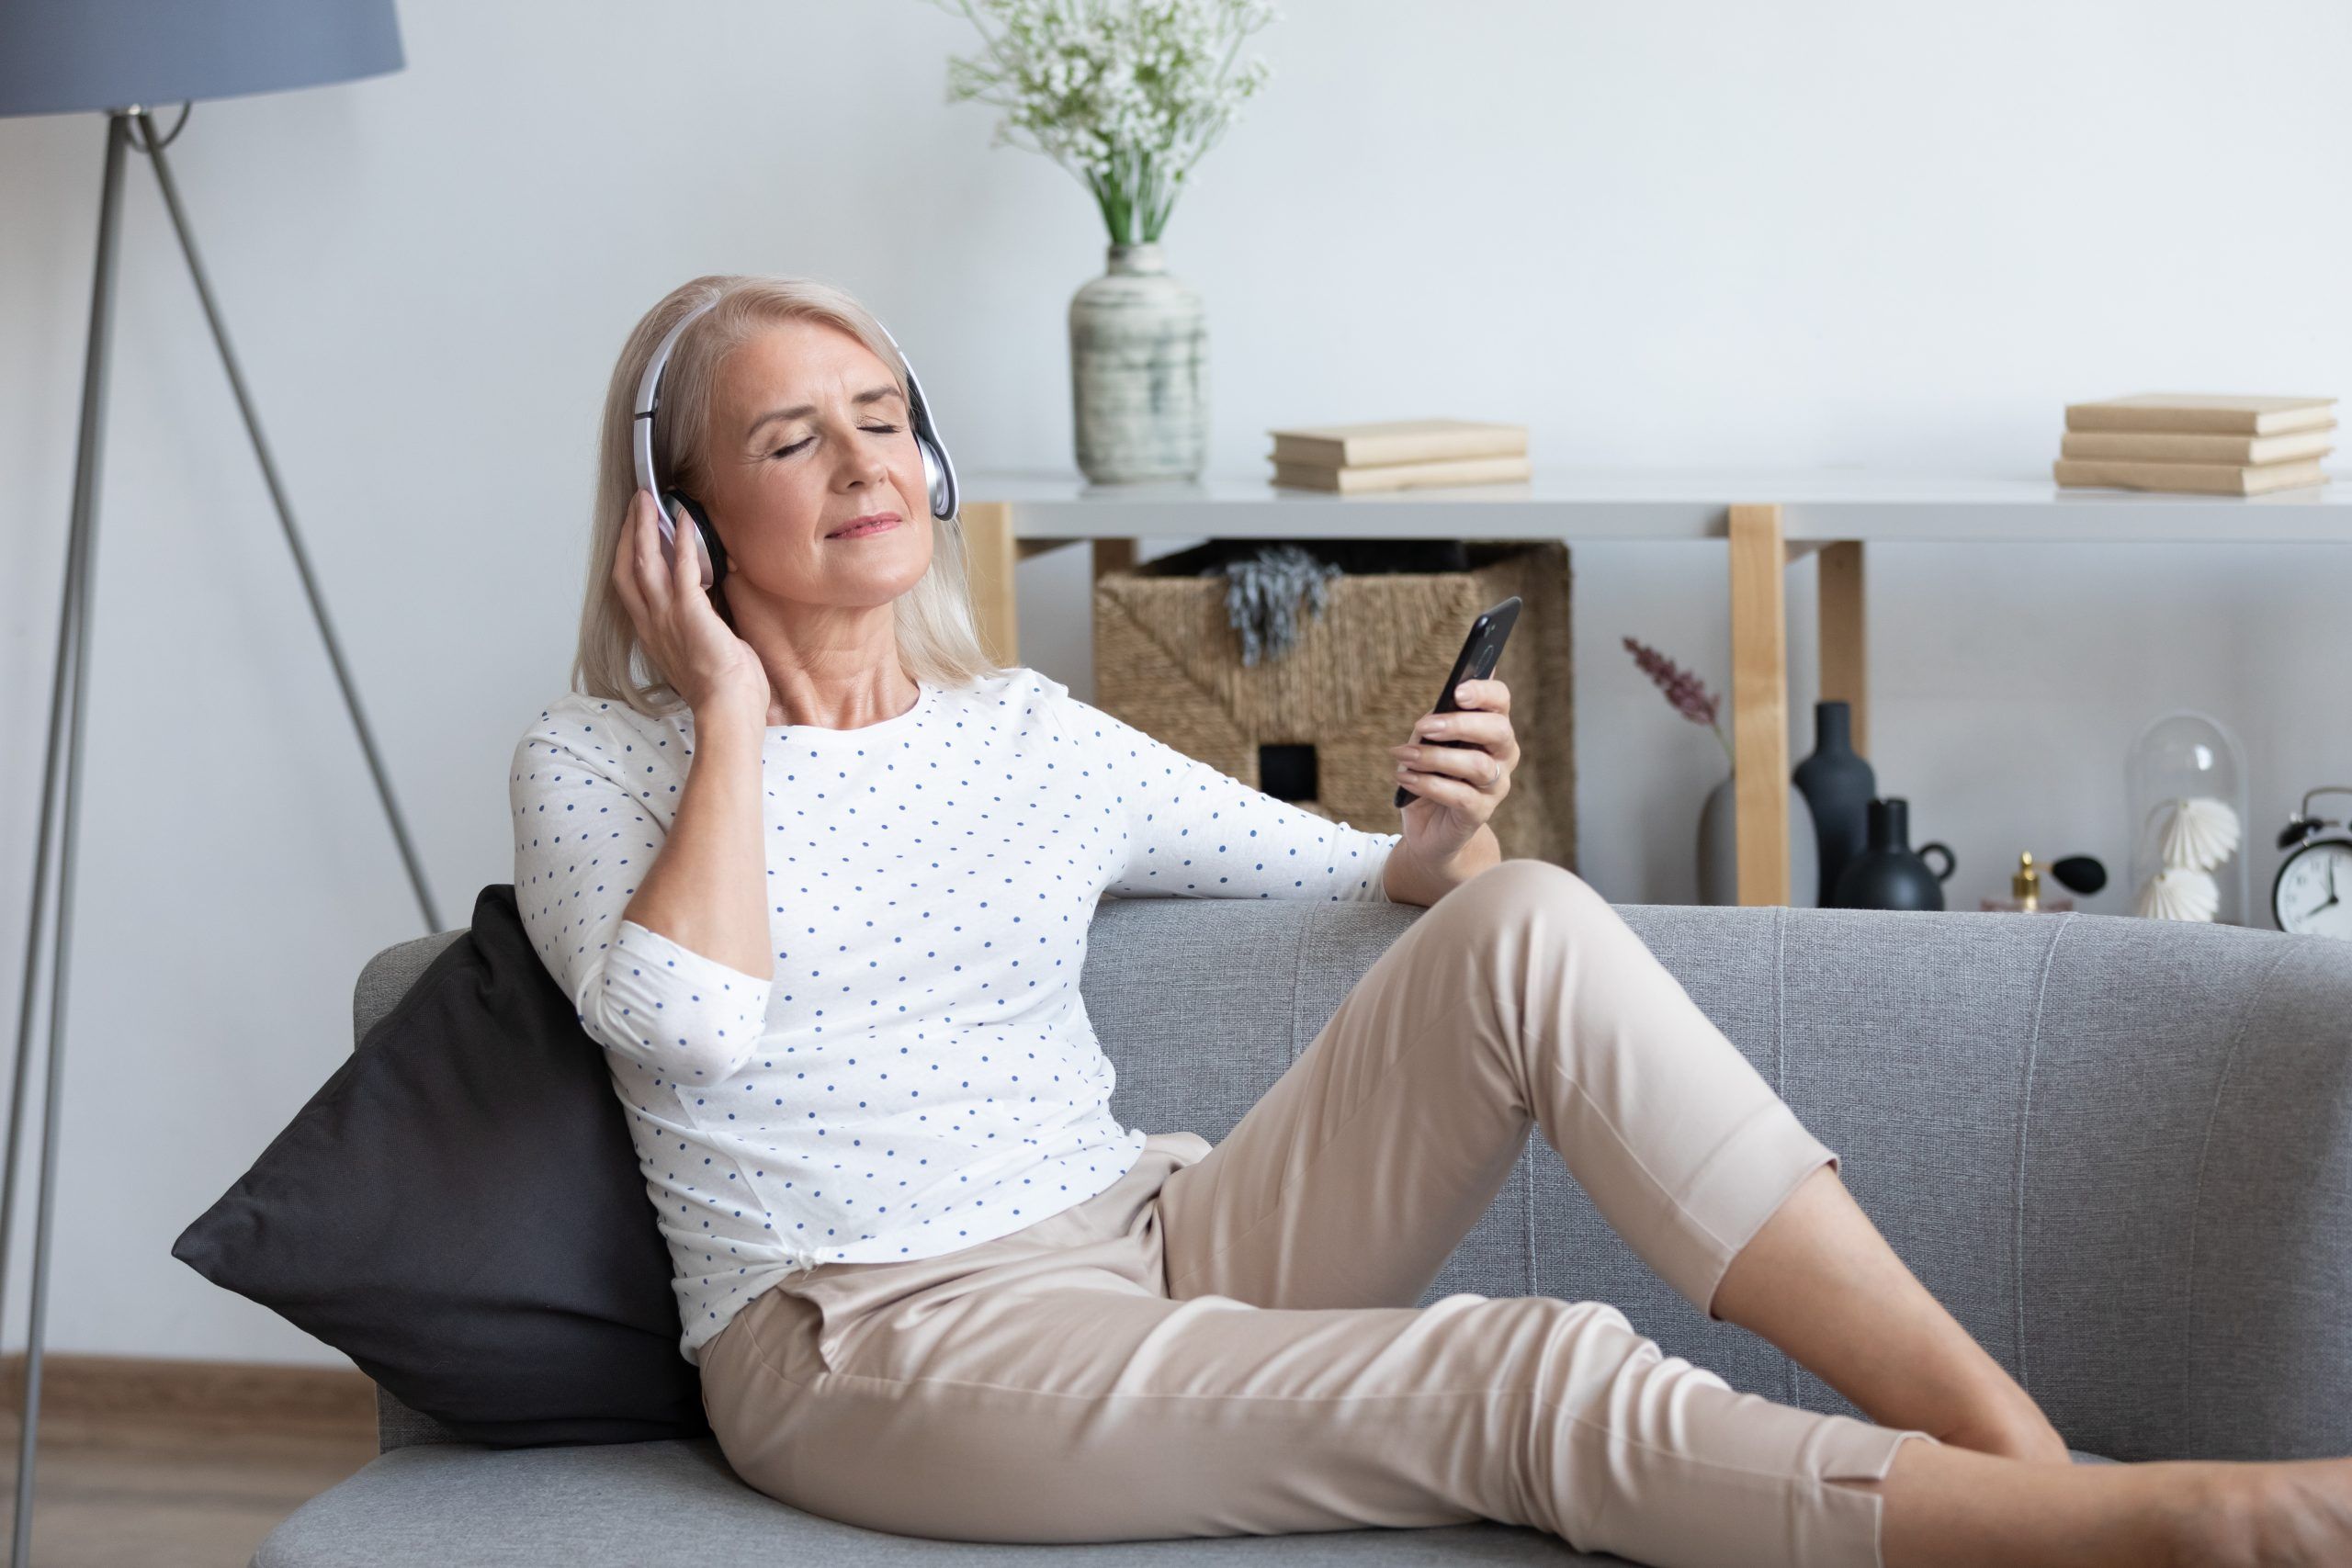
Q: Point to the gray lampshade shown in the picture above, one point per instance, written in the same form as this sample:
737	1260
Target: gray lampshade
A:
65	56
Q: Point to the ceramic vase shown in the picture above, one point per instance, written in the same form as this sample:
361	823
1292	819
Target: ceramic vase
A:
1838	783
1719	847
1138	366
1889	874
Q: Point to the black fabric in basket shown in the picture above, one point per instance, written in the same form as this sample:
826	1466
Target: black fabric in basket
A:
459	1210
1355	557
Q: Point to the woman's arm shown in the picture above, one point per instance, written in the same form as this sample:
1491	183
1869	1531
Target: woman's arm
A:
1407	882
1193	831
706	890
678	986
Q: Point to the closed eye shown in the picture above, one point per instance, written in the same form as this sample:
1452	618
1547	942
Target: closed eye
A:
870	429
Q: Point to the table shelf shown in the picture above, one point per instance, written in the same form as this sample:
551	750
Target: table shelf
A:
1765	518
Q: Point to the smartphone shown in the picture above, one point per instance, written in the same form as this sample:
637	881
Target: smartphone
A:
1475	662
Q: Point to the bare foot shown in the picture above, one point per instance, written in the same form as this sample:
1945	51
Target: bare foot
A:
1952	1507
2284	1514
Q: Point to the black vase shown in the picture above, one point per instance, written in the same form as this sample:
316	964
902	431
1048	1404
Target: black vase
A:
1838	785
1889	874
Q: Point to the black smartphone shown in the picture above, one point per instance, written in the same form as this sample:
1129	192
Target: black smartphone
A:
1475	662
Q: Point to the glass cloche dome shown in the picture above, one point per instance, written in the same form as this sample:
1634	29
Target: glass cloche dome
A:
2184	788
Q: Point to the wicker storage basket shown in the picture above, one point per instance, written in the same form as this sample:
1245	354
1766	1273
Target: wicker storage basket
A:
1317	721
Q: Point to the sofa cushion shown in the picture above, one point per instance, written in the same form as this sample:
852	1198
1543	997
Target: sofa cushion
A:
459	1209
677	1505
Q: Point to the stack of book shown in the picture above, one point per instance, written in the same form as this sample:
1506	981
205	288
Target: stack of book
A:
2208	442
1399	455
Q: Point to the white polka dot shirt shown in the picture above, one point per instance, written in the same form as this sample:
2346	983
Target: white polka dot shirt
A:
917	1074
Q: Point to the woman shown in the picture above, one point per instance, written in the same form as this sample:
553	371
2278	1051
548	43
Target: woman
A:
819	883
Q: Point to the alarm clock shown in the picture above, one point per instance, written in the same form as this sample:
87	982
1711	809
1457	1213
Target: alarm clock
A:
2312	894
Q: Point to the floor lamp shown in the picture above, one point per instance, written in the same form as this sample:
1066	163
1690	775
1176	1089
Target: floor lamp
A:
114	57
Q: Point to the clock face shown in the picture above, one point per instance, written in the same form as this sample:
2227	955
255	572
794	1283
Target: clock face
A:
2314	893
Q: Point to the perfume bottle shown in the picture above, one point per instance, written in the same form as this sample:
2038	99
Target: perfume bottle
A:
2081	872
2025	892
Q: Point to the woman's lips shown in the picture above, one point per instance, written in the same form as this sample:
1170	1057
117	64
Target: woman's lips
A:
863	529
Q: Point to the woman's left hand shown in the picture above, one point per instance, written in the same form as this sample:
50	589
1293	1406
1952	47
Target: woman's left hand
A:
1459	786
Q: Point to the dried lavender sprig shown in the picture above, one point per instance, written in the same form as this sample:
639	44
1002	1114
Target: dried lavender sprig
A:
1686	693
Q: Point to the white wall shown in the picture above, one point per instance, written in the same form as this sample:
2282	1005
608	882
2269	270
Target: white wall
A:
1805	233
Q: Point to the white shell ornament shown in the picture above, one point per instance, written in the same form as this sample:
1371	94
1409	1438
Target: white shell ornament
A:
2178	893
2196	831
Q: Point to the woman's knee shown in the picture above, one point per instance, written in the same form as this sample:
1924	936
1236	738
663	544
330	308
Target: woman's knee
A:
1551	1345
1510	891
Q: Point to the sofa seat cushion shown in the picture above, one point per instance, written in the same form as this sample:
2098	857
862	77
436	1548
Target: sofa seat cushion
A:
675	1504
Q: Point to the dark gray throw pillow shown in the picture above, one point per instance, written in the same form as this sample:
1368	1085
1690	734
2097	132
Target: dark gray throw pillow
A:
459	1209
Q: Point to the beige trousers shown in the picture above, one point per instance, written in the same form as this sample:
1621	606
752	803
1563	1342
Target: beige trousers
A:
1223	1342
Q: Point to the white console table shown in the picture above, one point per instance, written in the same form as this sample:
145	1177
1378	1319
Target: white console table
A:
1766	518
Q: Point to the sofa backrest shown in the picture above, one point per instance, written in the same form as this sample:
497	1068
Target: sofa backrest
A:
2118	1150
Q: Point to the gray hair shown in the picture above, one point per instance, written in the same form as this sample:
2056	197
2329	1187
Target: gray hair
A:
939	639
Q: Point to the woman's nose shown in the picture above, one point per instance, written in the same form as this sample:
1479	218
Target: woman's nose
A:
867	464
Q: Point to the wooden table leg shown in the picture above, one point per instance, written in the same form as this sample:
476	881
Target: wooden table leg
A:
989	558
1845	663
1760	703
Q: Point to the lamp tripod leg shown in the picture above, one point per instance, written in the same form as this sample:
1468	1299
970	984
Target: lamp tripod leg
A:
72	656
72	649
153	146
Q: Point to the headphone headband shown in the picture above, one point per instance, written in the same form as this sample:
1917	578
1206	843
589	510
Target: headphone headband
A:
649	398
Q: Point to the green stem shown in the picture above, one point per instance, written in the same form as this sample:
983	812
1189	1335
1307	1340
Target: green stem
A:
973	18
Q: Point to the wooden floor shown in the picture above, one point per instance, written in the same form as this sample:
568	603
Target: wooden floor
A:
113	1491
126	1476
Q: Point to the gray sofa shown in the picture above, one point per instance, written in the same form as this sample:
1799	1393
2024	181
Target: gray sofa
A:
2118	1150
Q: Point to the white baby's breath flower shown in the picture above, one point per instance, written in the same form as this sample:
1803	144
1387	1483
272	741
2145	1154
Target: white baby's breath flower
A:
1127	94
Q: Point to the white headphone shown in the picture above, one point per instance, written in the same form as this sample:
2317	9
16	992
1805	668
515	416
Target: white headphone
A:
939	473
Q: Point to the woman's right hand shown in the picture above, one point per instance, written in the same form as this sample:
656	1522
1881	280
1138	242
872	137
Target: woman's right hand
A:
695	650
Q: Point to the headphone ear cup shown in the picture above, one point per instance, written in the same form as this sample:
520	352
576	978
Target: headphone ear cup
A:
714	554
935	478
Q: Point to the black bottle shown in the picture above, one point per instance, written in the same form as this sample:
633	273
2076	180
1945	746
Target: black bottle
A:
1838	785
1889	874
